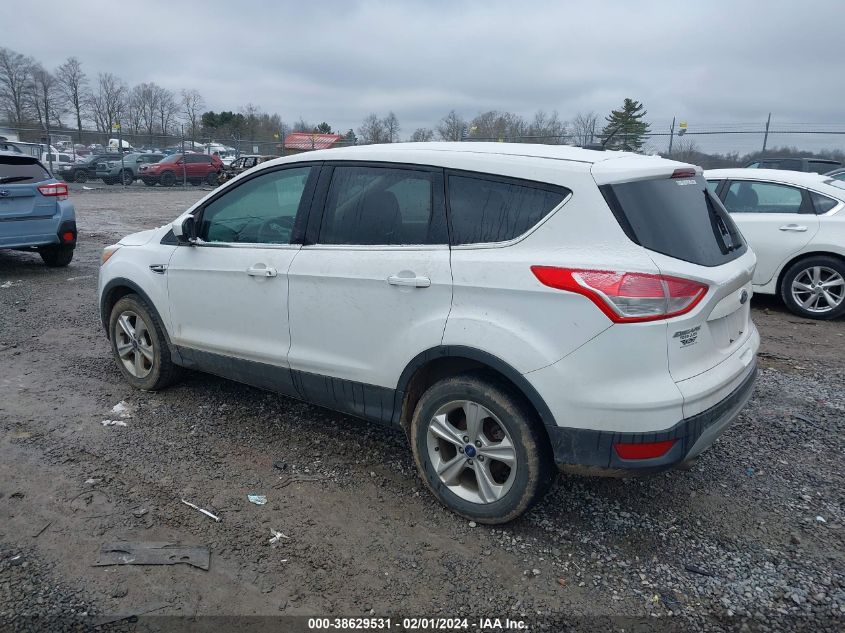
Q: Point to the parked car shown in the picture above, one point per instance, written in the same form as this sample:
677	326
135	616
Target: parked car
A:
836	174
35	213
195	168
241	164
56	160
511	307
124	169
815	165
795	224
82	171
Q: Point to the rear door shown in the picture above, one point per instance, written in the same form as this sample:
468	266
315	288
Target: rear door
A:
374	287
777	220
19	195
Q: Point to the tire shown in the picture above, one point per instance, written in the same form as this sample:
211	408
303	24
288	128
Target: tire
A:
803	293
56	256
213	179
127	177
80	176
517	487
146	365
167	179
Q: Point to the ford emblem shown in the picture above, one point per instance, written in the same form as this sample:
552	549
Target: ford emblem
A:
743	296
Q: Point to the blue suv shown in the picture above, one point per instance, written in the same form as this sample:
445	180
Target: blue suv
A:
34	210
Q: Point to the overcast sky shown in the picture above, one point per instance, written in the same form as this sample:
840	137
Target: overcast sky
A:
708	62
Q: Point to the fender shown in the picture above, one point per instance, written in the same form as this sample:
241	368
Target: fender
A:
136	289
470	353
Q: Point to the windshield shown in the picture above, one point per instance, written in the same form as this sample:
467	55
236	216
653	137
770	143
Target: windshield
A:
14	169
678	217
172	158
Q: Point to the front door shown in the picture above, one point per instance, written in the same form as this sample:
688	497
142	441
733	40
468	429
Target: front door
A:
374	290
229	292
777	221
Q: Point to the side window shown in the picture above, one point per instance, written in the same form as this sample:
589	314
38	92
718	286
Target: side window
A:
249	162
820	167
762	197
495	210
382	205
262	210
823	204
712	185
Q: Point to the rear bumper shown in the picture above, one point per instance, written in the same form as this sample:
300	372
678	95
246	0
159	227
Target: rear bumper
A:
592	452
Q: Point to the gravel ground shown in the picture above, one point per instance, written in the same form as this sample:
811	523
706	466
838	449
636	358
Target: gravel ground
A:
750	539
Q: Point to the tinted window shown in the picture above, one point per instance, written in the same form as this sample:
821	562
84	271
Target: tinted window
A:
197	158
823	204
712	185
762	197
678	217
821	167
14	169
259	211
381	205
496	210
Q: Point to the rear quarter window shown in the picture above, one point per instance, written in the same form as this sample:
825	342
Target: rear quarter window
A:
491	209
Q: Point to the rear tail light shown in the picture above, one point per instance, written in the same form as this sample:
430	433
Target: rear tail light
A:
68	236
627	297
54	190
644	450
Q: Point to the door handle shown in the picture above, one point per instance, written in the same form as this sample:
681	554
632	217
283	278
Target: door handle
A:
413	282
260	270
796	228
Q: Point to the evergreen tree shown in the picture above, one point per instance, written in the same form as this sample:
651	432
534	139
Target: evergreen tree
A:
625	129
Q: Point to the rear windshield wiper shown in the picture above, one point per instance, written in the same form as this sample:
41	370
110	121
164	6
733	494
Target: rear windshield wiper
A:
8	179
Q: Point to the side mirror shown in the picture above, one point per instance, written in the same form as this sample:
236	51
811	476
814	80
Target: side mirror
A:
186	230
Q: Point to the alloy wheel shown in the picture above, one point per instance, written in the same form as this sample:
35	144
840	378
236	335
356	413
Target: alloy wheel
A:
471	451
818	289
134	344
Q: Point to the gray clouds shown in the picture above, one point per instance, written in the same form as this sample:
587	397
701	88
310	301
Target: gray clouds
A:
712	61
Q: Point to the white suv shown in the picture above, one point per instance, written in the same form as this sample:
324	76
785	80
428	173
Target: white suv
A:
511	307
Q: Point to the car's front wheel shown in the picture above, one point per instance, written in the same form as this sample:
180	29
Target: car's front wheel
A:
80	176
815	287
479	448
213	179
139	345
127	177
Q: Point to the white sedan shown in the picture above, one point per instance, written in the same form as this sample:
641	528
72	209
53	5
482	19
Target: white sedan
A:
795	223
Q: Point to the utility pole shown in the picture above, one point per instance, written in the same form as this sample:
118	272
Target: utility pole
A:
184	158
766	135
671	136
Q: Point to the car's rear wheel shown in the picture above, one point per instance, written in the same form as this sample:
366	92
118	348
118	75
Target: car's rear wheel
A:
80	176
56	256
139	345
815	287
479	448
127	177
167	179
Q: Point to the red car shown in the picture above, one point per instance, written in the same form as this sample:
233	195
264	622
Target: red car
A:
196	168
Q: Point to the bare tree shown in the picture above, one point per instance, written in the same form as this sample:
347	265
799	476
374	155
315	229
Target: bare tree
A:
372	131
145	98
192	105
251	113
108	103
168	109
391	127
451	127
44	98
584	128
422	135
546	128
302	126
73	85
498	126
134	112
15	72
686	150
